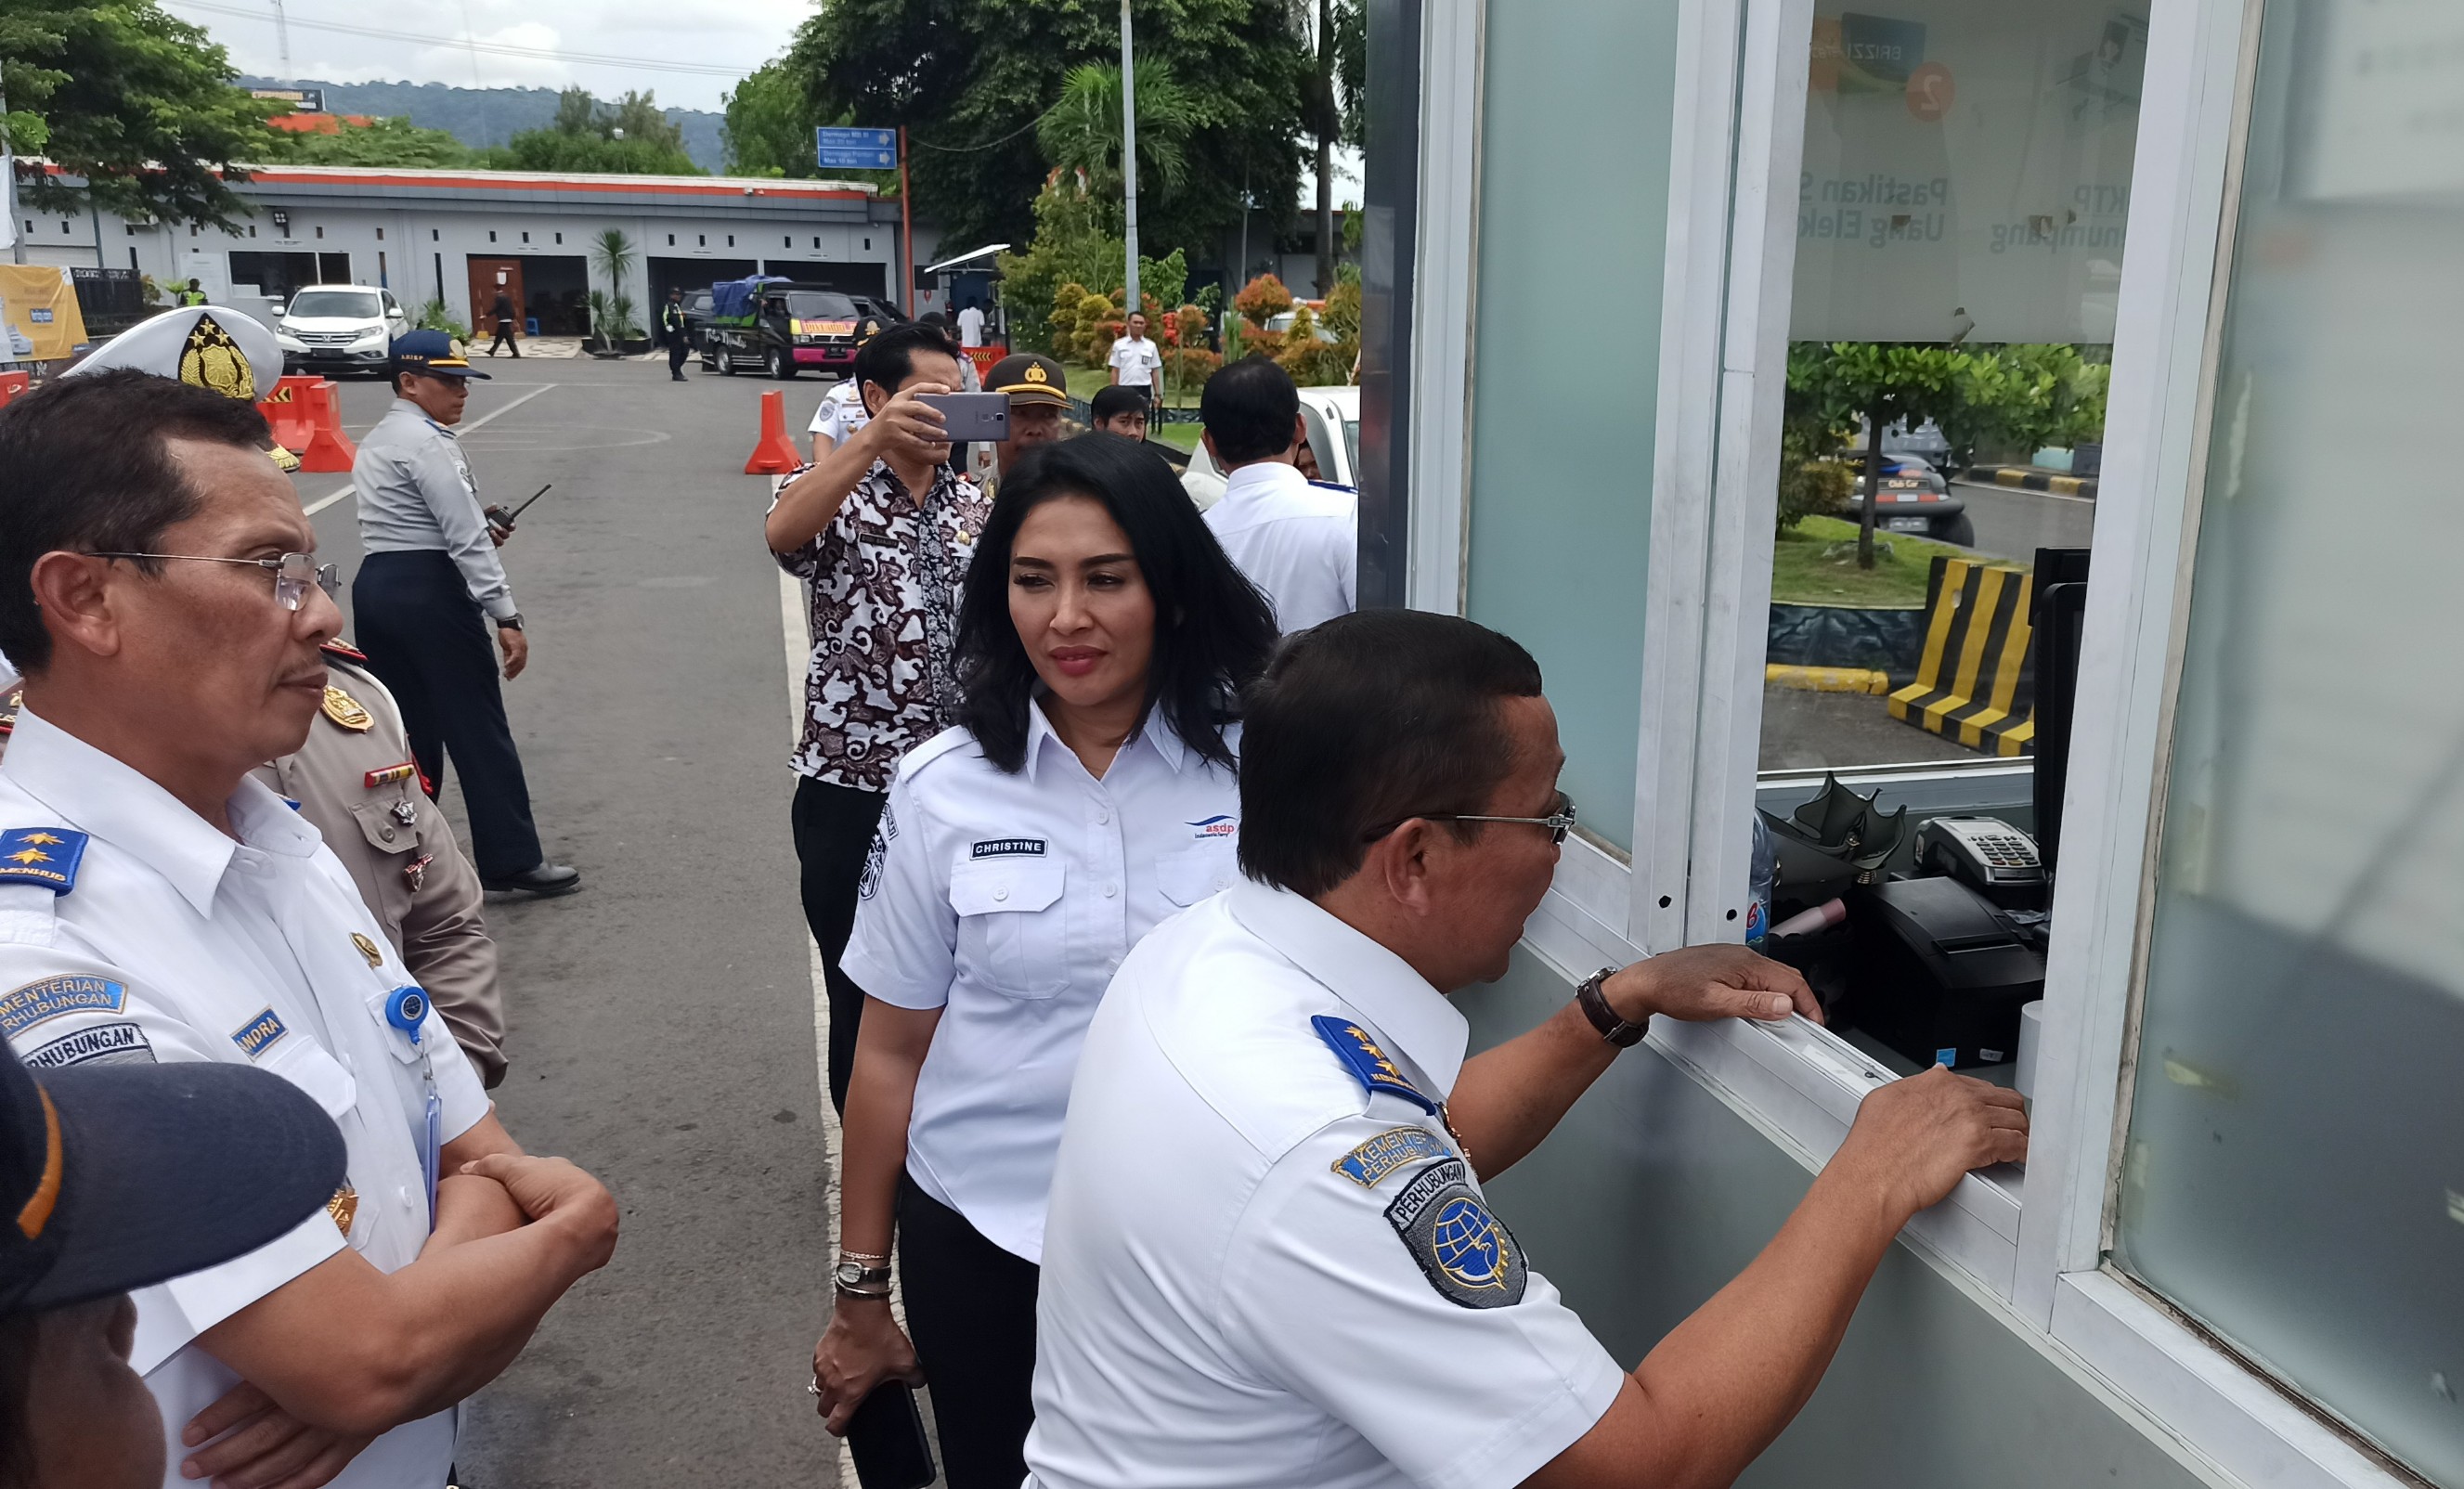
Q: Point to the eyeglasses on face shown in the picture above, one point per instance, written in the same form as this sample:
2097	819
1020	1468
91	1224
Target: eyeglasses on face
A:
293	573
1559	823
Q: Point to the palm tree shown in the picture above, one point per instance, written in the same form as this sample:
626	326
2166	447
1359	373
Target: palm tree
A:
1083	132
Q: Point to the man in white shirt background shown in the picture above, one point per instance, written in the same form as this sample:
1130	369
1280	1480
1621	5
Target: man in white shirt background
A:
158	588
1135	362
971	325
1297	542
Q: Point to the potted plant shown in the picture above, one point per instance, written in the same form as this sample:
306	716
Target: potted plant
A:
612	325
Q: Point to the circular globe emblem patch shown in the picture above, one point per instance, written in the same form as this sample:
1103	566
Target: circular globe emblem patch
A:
1466	1253
1469	1243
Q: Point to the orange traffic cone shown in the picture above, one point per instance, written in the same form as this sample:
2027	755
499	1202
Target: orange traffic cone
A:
12	383
328	448
775	453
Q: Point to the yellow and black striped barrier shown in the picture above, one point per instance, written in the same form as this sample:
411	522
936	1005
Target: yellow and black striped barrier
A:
1975	681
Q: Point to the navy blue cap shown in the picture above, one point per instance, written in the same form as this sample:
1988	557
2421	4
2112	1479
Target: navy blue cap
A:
434	353
117	1175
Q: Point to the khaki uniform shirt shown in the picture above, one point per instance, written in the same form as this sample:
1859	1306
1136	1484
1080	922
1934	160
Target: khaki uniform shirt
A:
401	852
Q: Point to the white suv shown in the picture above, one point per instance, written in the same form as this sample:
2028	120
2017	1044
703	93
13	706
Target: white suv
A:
338	328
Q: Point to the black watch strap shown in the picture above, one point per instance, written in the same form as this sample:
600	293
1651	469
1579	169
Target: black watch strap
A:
1595	1005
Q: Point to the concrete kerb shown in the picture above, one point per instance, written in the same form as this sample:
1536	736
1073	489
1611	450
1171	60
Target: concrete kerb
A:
2028	479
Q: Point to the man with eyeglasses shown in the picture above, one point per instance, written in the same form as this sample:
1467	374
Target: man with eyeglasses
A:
1268	1259
431	585
159	589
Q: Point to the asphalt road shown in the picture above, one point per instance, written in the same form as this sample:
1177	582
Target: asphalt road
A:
662	1020
2012	523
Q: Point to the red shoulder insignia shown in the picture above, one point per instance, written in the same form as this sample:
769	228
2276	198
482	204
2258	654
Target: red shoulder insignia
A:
336	648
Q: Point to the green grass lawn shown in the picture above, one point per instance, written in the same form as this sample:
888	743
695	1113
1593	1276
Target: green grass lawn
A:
1184	436
1800	574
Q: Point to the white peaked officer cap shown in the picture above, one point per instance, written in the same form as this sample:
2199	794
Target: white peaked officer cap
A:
208	347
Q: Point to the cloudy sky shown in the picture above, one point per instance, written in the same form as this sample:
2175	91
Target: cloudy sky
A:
648	41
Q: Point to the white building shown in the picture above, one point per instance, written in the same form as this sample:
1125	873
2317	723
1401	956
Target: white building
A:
457	235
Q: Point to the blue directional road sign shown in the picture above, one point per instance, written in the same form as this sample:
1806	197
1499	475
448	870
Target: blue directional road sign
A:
856	149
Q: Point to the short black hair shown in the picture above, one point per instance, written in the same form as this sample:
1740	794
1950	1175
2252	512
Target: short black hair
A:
889	355
1365	722
1118	399
1214	631
1250	408
83	467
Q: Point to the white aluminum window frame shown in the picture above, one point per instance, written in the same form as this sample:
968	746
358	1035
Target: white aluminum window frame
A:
2027	1247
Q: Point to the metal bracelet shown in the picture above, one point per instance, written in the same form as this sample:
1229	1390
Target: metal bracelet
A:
845	1291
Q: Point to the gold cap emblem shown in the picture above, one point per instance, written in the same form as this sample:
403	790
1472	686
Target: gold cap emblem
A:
210	359
344	709
1035	373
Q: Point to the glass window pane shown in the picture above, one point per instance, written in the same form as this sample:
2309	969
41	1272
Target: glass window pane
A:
1565	385
2294	1176
1960	215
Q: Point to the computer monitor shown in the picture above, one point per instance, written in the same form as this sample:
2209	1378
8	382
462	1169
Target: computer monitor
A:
2061	609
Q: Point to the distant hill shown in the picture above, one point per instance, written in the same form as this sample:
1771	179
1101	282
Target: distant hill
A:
482	117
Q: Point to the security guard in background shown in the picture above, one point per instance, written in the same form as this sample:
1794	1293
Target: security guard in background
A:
423	599
354	780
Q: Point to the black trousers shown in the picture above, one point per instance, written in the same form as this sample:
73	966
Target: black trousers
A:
833	827
504	337
676	351
428	641
971	1312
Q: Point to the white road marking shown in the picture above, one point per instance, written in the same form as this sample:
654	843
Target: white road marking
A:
331	498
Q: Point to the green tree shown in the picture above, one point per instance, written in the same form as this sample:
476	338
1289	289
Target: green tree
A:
1042	287
137	102
1083	131
1332	106
970	79
630	137
1884	383
769	125
381	142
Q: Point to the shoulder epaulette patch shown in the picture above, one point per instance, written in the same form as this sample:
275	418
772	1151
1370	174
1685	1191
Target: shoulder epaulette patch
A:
1361	1056
9	707
47	856
336	648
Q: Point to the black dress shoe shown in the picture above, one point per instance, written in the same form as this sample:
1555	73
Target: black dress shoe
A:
545	881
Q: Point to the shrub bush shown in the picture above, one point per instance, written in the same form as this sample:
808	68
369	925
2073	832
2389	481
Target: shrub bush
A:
1261	300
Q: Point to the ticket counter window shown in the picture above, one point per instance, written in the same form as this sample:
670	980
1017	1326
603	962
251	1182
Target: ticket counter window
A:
1959	242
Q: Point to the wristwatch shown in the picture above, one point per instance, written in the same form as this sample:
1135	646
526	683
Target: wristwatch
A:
858	1281
1595	1007
510	623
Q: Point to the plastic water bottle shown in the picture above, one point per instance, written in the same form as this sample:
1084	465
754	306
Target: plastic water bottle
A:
1758	894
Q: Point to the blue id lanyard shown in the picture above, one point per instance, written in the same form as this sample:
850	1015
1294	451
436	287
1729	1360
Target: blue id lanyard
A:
406	1009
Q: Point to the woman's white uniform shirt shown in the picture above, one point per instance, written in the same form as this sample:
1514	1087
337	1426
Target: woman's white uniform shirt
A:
1007	901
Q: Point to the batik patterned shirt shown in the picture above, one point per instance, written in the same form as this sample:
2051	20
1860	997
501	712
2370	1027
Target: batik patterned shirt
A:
883	581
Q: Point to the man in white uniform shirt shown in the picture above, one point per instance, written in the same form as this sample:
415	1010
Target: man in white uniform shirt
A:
1135	360
971	325
157	903
1296	539
1267	1259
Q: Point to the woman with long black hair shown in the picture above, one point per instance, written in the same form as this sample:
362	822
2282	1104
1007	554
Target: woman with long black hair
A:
1089	794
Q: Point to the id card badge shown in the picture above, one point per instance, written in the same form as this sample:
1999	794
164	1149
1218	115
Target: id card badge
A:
405	1010
431	1148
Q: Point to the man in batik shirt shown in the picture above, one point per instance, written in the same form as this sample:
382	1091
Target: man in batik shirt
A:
880	529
